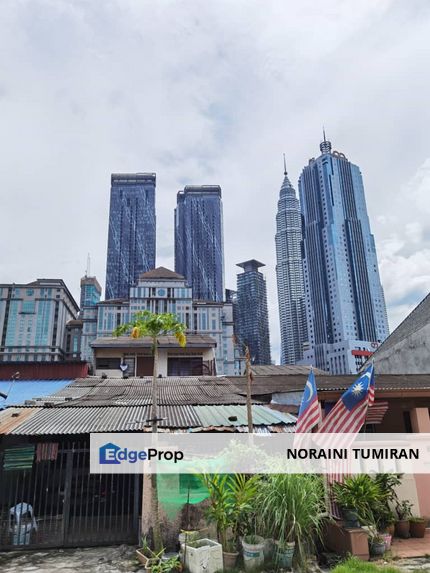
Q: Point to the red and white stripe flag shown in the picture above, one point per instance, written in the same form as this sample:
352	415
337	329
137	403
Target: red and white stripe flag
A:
310	411
344	421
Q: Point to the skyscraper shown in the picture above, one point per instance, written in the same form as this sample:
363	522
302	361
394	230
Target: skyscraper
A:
131	241
90	297
289	274
345	303
253	317
90	291
199	249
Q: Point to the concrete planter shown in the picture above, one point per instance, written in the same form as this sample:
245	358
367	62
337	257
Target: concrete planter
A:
346	541
203	555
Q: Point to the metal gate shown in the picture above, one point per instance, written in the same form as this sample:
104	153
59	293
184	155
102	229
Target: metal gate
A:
49	498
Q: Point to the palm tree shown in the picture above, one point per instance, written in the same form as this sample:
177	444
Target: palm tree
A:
146	323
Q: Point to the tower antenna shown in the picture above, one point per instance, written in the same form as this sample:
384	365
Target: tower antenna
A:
88	271
285	166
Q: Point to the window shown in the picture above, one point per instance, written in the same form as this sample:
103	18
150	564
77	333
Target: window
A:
108	363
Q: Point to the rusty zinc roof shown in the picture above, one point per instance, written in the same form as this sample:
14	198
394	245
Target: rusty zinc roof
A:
193	390
66	421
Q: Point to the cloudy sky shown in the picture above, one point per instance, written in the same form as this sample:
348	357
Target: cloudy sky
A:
210	93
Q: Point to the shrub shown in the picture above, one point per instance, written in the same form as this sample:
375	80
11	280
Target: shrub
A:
290	508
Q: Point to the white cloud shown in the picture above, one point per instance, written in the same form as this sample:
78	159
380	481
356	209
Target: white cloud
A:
209	92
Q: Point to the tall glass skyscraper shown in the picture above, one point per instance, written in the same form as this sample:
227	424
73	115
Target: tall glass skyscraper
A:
199	249
346	313
289	274
252	313
131	242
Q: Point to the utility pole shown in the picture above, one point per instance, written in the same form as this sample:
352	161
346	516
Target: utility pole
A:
248	390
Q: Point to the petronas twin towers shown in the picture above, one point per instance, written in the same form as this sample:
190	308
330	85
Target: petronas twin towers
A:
289	274
331	302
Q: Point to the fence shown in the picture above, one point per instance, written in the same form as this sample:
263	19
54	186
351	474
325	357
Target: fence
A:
48	498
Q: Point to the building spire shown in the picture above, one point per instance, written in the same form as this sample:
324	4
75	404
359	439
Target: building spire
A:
285	166
88	271
325	145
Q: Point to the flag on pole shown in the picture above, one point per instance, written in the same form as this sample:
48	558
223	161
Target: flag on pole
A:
372	387
309	413
349	413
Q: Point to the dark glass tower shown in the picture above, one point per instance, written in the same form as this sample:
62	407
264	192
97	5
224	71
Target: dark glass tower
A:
253	316
346	312
289	274
199	249
131	242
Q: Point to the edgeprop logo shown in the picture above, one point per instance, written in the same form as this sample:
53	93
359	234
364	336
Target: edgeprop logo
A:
112	454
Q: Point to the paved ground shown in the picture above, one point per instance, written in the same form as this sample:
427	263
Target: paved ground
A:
418	564
412	547
93	559
121	560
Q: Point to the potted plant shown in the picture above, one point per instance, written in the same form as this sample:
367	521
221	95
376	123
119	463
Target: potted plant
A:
290	508
231	499
253	551
387	537
417	526
358	496
147	556
385	518
376	543
403	510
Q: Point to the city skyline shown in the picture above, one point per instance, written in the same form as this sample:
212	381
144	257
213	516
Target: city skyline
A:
226	118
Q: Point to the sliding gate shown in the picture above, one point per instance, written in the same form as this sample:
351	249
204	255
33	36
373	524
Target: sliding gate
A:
49	498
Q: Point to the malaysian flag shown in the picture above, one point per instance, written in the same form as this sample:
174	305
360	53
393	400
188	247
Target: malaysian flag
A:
309	413
347	418
371	399
349	414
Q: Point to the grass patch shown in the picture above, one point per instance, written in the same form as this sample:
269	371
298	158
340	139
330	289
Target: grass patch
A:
354	565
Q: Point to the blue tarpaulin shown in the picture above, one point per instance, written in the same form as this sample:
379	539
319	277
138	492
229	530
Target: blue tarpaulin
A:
28	389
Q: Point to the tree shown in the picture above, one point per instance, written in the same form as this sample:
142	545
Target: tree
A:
146	323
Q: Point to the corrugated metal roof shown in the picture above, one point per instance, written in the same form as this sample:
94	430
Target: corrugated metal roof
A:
224	416
13	417
266	385
137	391
289	369
50	421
